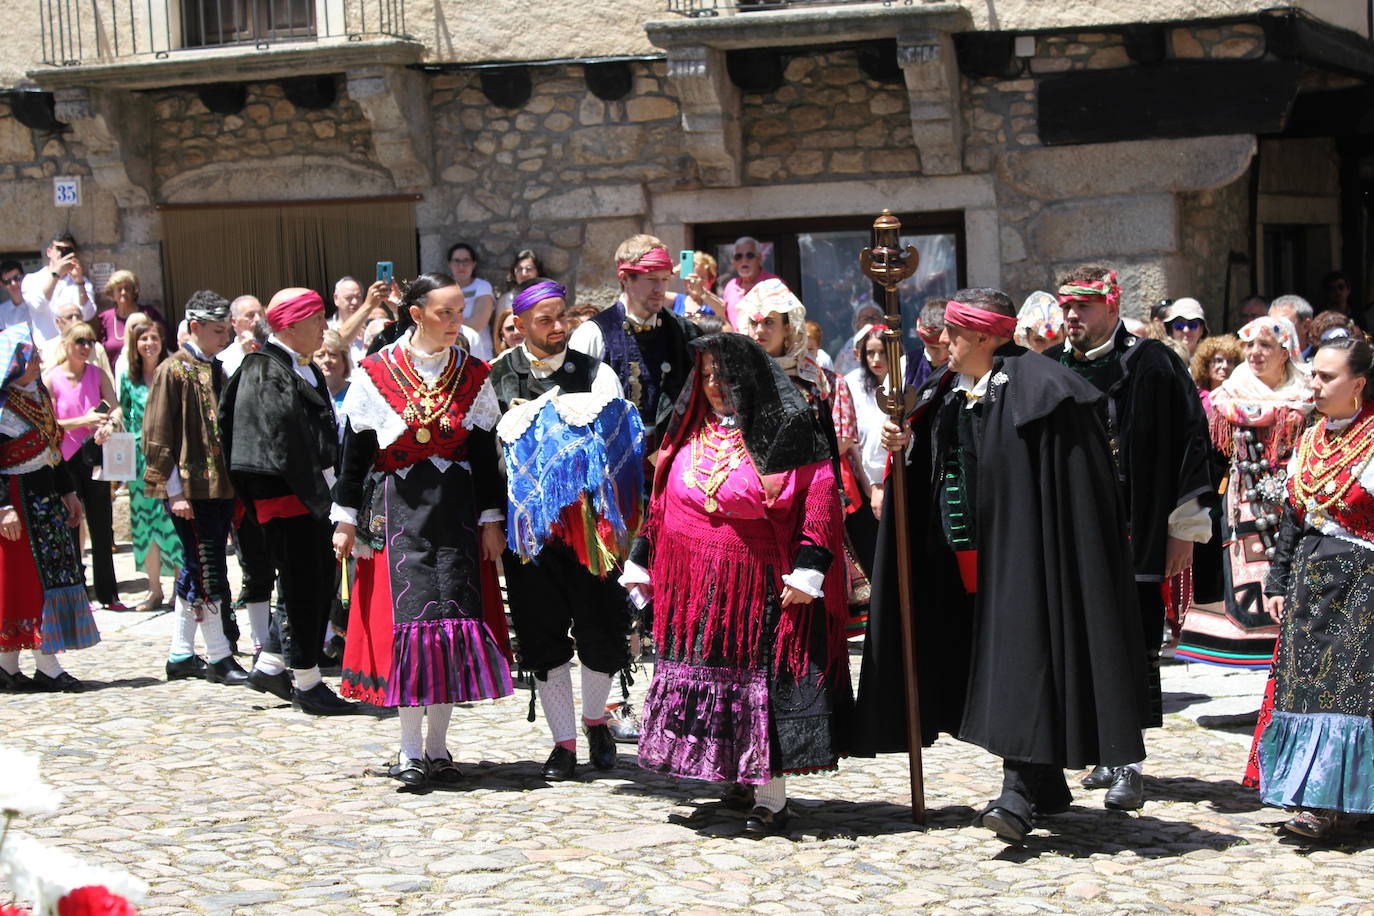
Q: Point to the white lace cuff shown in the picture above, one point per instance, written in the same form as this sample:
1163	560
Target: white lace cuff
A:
634	574
1191	522
491	515
344	514
806	580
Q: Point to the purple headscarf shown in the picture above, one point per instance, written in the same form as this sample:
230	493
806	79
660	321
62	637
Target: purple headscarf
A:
536	293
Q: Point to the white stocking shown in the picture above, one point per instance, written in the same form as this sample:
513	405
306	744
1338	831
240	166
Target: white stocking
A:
259	612
596	689
556	696
436	732
183	630
411	717
47	664
9	662
212	631
772	794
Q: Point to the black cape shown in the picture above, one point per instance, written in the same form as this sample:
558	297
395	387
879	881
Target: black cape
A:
1045	664
279	432
1163	444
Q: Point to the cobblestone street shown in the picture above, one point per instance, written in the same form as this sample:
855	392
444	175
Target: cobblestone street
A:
225	803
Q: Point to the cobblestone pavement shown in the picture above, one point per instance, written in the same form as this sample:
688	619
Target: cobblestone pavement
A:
225	803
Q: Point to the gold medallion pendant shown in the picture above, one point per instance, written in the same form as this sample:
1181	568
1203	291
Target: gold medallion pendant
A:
422	435
711	504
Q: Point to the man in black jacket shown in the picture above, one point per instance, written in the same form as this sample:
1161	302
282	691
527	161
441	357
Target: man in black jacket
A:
1159	437
282	440
1027	637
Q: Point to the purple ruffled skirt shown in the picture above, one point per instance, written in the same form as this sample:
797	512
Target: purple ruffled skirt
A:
445	661
706	723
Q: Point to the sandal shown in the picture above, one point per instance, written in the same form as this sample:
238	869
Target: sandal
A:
152	604
1314	825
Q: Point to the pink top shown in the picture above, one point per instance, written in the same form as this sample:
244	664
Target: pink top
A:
734	292
74	401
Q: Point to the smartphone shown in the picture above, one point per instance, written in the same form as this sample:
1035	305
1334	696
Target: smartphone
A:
102	407
686	263
385	269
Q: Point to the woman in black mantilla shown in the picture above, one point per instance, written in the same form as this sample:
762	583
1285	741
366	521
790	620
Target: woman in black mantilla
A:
740	558
419	480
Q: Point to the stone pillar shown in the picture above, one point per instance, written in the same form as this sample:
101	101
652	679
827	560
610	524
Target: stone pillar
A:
710	112
931	69
394	99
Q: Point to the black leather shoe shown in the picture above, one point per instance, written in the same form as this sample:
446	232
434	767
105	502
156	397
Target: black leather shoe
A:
1101	777
762	821
600	746
561	764
410	772
1127	792
1006	824
63	683
321	701
443	771
186	669
18	682
738	797
226	671
279	684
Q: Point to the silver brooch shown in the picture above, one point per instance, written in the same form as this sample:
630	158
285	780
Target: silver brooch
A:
567	367
666	367
999	379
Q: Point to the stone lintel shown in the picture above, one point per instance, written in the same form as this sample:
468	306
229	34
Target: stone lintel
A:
931	69
1127	167
806	27
395	102
592	202
114	127
710	112
236	63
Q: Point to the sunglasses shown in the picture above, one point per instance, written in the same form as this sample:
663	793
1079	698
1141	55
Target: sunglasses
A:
9	281
746	255
84	341
1185	324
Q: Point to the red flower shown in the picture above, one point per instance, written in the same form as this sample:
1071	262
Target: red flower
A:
94	901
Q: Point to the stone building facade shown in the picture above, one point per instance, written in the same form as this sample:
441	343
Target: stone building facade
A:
952	119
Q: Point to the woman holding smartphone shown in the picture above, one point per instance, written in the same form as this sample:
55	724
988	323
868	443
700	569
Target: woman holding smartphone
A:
83	399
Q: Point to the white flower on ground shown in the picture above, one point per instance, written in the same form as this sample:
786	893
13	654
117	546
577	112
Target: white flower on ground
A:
22	790
44	875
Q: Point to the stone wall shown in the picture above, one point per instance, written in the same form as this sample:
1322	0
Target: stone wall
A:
188	136
827	121
566	175
1213	223
29	160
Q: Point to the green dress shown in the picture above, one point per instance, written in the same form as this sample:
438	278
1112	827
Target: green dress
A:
149	518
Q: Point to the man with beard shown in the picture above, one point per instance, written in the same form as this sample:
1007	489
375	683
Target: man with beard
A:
1159	436
645	345
554	592
1026	634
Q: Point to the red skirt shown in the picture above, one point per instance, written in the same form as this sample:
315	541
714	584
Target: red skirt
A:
368	649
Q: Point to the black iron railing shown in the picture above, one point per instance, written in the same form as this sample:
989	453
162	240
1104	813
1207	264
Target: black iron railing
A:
78	32
695	8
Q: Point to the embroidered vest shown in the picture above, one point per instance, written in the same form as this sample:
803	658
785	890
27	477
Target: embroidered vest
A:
451	443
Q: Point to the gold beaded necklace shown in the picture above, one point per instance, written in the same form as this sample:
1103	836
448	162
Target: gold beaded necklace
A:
1330	463
425	401
725	446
